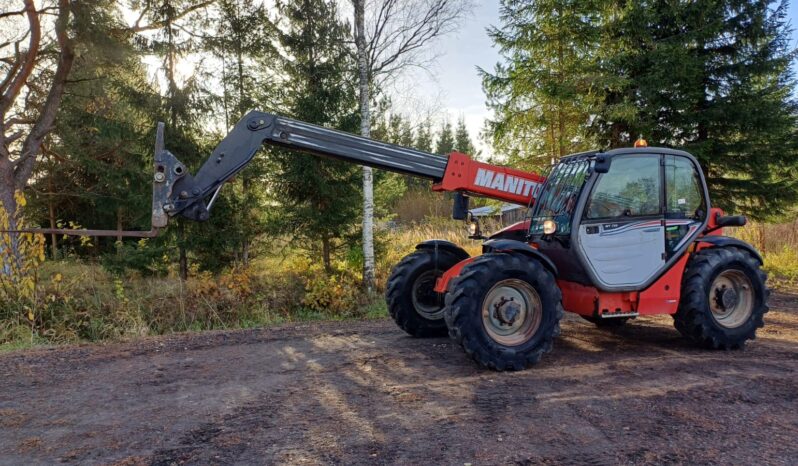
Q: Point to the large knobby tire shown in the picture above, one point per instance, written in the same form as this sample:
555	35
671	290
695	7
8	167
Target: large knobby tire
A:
413	304
723	299
517	337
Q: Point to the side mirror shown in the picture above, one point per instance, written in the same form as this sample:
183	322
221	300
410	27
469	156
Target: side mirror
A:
460	206
602	164
474	229
730	221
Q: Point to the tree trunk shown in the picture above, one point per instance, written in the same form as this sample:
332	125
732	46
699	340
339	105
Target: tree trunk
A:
365	130
119	225
325	254
183	260
53	237
53	223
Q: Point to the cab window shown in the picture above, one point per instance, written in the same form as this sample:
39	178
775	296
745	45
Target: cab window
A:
684	201
684	196
631	188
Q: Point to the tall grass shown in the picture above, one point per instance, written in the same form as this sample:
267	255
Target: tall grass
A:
79	301
778	244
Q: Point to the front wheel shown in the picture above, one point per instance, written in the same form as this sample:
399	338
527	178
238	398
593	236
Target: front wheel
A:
723	299
504	310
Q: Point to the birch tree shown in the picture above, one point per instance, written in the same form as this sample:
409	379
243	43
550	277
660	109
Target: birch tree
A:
390	36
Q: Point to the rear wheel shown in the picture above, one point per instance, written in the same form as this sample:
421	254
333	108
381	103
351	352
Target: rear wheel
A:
724	298
412	301
504	310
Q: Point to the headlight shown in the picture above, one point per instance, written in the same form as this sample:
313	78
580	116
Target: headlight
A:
549	227
473	228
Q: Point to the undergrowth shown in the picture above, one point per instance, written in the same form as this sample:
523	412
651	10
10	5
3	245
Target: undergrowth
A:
76	301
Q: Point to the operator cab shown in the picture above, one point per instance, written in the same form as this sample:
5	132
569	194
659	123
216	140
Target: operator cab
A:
617	220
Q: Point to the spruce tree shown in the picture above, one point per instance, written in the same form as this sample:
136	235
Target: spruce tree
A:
176	25
462	140
424	136
445	139
319	199
93	169
539	95
242	41
712	78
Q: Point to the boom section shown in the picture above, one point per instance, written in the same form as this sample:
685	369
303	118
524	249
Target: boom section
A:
456	172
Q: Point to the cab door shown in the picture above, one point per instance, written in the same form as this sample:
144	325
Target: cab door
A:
621	236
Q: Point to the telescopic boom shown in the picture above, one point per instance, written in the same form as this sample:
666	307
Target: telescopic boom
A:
176	192
455	172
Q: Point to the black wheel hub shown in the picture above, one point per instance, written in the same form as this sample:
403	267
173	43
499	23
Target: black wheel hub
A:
726	298
506	311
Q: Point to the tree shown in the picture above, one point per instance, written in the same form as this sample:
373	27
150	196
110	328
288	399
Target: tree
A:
91	170
462	140
424	136
318	199
541	96
445	143
391	39
712	78
171	22
27	112
242	40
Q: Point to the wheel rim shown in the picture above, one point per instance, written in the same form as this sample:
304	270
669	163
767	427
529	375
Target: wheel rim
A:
427	302
731	298
511	312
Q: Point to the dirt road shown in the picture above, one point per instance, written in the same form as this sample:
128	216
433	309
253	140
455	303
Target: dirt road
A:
363	393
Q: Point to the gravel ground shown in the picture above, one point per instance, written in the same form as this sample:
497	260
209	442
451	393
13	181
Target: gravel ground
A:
364	393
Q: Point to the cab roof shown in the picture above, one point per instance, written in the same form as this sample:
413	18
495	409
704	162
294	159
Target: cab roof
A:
625	151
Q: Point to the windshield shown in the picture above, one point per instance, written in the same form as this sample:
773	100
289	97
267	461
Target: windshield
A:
559	196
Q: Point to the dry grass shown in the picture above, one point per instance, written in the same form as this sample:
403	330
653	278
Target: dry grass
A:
76	301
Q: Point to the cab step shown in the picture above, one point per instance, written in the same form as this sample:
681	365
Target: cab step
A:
614	315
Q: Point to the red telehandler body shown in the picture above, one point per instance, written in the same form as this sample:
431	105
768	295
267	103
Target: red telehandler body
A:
609	236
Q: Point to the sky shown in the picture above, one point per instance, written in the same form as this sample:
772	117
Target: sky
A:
450	88
453	87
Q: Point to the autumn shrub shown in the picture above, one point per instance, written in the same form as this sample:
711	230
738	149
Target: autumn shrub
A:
20	257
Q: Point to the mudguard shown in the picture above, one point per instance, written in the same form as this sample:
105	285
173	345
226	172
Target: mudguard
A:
509	245
447	246
725	241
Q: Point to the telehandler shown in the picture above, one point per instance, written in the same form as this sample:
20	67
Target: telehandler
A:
609	236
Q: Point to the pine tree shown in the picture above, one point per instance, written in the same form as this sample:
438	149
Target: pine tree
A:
462	140
319	199
445	139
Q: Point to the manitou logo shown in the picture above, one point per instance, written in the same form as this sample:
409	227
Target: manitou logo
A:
507	183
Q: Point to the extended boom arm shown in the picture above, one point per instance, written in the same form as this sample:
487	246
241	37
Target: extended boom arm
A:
176	192
457	172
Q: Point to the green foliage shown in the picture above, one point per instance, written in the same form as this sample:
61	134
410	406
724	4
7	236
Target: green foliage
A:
424	136
445	143
710	77
316	201
462	140
542	95
97	159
